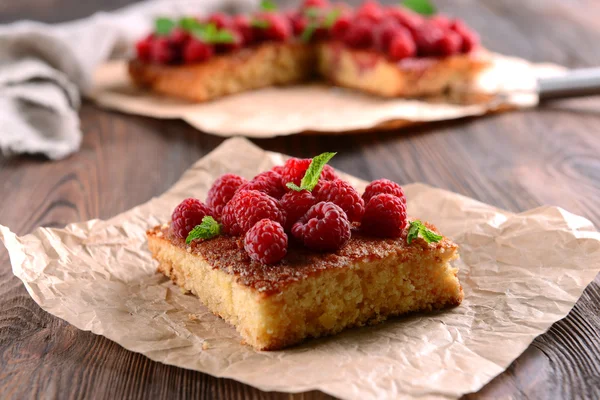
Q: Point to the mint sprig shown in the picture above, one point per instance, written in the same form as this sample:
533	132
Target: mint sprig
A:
209	33
268	5
308	32
417	229
313	173
260	24
188	24
208	229
164	26
424	7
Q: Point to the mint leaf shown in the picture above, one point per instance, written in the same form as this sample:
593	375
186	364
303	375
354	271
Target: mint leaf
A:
163	26
312	12
308	32
260	24
209	33
417	229
268	5
423	7
331	17
208	229
313	173
188	24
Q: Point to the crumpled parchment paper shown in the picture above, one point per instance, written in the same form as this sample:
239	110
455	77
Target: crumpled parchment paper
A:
318	108
520	273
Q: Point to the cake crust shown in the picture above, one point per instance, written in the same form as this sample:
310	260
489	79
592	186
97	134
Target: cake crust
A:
310	294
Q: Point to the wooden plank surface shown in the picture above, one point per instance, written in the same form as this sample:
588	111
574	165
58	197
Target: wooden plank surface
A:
516	161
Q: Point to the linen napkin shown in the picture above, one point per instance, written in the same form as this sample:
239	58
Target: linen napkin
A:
44	69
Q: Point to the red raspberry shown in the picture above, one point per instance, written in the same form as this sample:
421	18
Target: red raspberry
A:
220	20
268	182
279	28
325	227
449	44
266	242
383	186
178	37
341	26
278	169
385	216
222	191
344	195
402	46
470	38
187	215
440	21
241	24
405	17
197	51
295	205
315	3
359	35
384	33
297	21
250	206
370	10
162	52
144	48
294	169
427	37
230	225
328	173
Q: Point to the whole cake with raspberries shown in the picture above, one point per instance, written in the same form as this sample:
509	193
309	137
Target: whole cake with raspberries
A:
298	253
389	51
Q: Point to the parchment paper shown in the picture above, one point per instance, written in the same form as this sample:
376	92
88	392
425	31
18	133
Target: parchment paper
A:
318	108
520	273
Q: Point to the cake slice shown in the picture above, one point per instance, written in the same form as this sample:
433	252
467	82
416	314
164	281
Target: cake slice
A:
269	64
310	294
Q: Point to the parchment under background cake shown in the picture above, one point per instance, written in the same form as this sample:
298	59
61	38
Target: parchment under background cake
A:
387	51
297	253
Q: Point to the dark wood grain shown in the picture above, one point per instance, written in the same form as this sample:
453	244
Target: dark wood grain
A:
516	161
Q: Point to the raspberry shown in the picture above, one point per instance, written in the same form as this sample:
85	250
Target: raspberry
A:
178	37
187	215
294	169
427	37
266	242
230	225
278	169
197	51
144	48
384	33
268	182
359	35
402	46
279	28
298	22
242	24
344	195
440	21
405	17
325	227
223	190
295	205
370	10
341	26
385	216
220	20
383	186
250	206
162	52
449	44
315	3
470	39
328	173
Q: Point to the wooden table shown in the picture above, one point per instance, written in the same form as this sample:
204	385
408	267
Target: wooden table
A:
516	161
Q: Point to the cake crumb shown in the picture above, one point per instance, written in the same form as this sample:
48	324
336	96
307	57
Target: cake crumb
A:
189	249
205	346
165	225
159	234
192	317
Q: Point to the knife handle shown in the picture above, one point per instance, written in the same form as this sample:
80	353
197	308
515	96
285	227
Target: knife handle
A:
576	83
